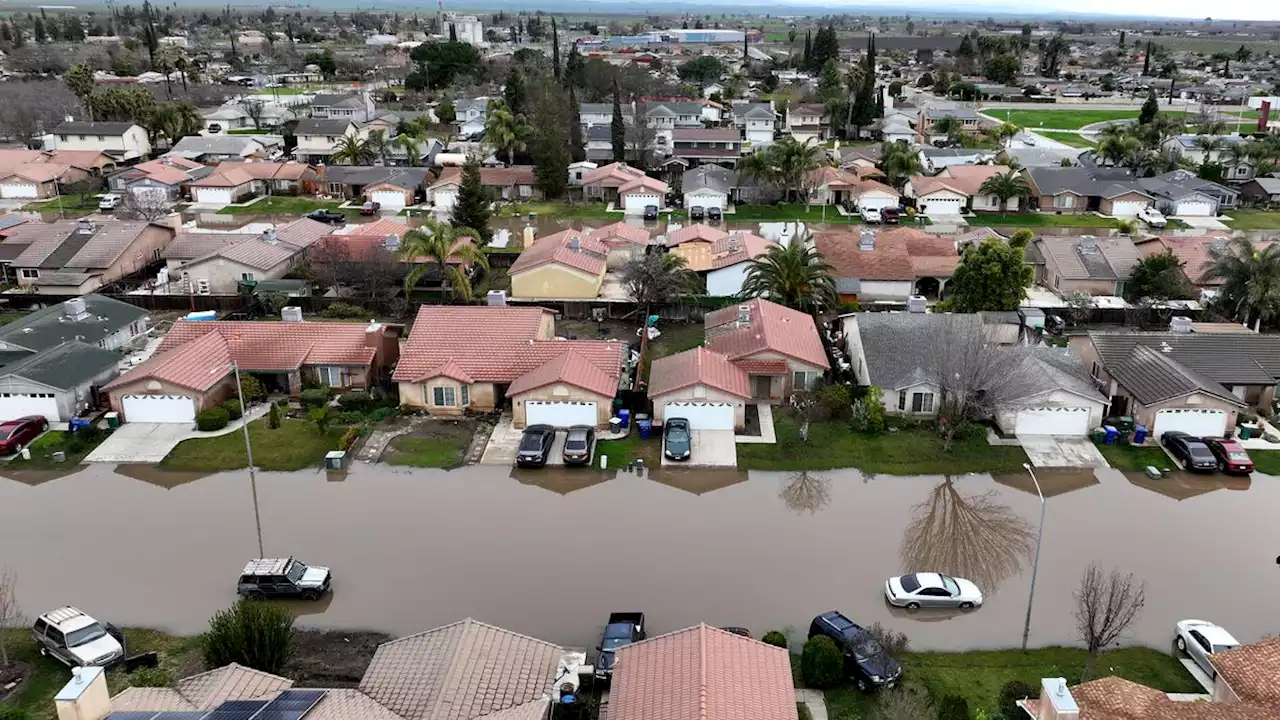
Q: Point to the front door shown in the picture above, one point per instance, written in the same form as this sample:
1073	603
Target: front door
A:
763	386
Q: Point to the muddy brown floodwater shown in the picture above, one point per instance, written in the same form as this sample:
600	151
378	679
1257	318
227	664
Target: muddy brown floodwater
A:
550	553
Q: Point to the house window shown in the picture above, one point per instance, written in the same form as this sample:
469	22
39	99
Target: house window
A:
335	188
902	400
63	138
466	395
202	286
801	380
101	138
443	397
922	402
81	137
30	273
1064	201
329	375
1094	370
247	277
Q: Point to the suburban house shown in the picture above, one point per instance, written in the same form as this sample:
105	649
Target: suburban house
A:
1226	150
214	149
937	196
567	264
968	179
188	246
508	354
965	118
642	192
164	177
1087	264
894	128
513	183
806	122
358	107
593	114
708	186
37	181
722	258
55	358
1261	191
890	266
698	146
599	142
233	182
74	257
224	269
1182	379
701	386
778	347
194	367
1181	193
702	673
623	242
318	138
664	117
603	182
126	142
93	162
470	115
1194	252
860	157
855	185
1109	191
934	159
390	186
756	121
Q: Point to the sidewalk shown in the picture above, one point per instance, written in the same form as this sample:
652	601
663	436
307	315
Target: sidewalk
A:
767	435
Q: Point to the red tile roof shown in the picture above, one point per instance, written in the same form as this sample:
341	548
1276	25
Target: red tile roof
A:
619	233
41	172
570	368
490	176
696	231
763	367
738	247
644	183
923	185
901	254
698	366
969	178
702	673
1252	671
611	175
1193	253
556	248
771	328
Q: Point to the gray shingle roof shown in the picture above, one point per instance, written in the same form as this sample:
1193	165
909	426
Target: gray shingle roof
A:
320	126
1102	182
1090	258
49	327
1180	183
1205	362
898	347
369	175
344	100
196	145
92	128
64	366
708	176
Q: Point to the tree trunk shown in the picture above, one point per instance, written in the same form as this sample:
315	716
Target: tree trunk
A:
1088	666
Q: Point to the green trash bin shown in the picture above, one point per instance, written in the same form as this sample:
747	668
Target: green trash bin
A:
1125	424
1246	431
113	420
1099	435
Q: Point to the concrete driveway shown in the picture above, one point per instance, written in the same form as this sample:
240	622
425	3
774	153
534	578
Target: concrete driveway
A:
709	448
141	443
1202	223
504	441
1046	451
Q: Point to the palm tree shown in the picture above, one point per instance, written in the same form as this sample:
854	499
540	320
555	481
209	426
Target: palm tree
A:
506	131
757	168
794	161
379	146
1005	132
411	147
352	151
1006	186
1250	280
899	162
795	275
436	243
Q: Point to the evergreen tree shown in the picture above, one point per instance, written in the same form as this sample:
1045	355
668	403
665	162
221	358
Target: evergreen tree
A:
618	127
453	33
1122	40
863	110
37	30
826	47
745	56
471	209
1150	109
577	145
555	49
6	33
575	67
513	91
808	47
550	148
1146	60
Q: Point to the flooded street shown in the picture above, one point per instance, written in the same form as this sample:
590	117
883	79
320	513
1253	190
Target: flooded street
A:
550	553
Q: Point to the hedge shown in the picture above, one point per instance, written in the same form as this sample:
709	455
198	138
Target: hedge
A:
315	398
234	409
214	418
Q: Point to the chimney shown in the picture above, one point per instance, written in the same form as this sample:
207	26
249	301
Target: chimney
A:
269	236
1056	702
391	243
74	309
291	313
867	240
744	315
84	697
1179	324
574	243
528	235
373	336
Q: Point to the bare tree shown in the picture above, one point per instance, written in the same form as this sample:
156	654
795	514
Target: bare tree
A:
33	107
806	492
370	275
10	611
976	377
254	108
1105	607
640	138
1078	306
149	206
975	537
902	704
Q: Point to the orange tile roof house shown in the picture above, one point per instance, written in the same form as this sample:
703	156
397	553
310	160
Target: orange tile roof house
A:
603	182
722	256
507	183
1195	253
702	383
702	673
170	175
567	264
74	257
479	358
34	174
890	265
232	182
968	179
192	369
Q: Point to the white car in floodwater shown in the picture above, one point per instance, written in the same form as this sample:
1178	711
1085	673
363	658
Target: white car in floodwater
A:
1199	639
931	590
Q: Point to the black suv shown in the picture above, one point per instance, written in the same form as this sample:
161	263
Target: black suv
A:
865	661
282	577
1190	451
535	446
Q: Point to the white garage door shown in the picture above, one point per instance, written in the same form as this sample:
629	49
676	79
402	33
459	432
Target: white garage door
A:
150	193
1064	421
705	200
635	202
1192	421
14	405
1127	207
18	190
159	409
444	200
701	416
878	202
389	199
213	196
942	206
559	414
1195	209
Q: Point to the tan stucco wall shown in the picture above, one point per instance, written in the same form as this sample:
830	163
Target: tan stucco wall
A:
140	253
781	387
619	256
418	396
1092	287
701	393
226	388
561	393
1146	414
555	281
1106	204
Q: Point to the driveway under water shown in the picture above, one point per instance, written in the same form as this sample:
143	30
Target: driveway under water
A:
550	553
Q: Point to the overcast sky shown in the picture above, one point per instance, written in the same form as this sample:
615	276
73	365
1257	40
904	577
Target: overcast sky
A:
1192	9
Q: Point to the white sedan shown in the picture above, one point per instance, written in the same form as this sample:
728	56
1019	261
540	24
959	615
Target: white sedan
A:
932	590
1200	639
1152	217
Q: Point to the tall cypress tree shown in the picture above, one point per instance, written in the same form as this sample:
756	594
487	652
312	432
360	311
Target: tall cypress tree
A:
618	127
555	49
577	146
808	48
744	46
1146	60
471	209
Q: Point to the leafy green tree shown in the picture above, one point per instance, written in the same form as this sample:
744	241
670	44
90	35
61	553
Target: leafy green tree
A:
1159	277
900	161
79	80
703	69
351	150
776	639
575	68
513	92
1013	691
1006	186
506	131
451	247
795	275
821	663
445	111
252	633
471	209
380	146
1002	69
825	47
657	277
1250	275
830	83
555	49
992	275
273	417
441	64
550	143
1150	108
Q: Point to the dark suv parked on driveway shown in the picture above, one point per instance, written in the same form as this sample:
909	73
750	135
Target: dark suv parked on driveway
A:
865	661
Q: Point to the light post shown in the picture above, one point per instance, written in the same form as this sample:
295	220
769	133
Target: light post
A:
1026	627
248	452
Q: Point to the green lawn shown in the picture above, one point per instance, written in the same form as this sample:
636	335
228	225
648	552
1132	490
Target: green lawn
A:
1252	220
1061	118
622	451
675	337
281	205
248	131
790	211
295	445
910	451
68	203
46	445
1033	219
569	211
439	444
1075	140
1133	457
1266	462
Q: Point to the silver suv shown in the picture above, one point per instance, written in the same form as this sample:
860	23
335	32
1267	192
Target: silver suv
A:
77	639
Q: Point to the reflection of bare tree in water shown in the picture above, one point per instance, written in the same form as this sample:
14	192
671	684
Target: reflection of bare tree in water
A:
805	492
974	537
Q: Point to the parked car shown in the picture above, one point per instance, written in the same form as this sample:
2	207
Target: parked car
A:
865	661
622	629
283	577
535	446
931	590
1200	639
109	203
579	445
650	212
76	639
696	212
370	208
327	216
1152	217
1231	455
17	434
677	440
1190	451
890	215
714	213
870	215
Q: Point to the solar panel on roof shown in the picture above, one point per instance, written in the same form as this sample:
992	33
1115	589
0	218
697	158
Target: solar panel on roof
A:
182	715
290	705
230	705
132	715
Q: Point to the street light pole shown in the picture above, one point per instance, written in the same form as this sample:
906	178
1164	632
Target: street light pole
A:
1026	627
248	451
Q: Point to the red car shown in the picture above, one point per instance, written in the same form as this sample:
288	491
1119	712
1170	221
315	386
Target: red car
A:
1231	456
17	434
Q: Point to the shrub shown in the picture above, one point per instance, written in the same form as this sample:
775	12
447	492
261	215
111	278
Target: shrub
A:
318	397
357	400
344	311
215	418
252	633
273	417
802	711
1010	693
835	401
351	417
868	412
383	413
234	408
821	663
895	644
12	712
252	388
348	439
953	707
150	677
776	638
320	416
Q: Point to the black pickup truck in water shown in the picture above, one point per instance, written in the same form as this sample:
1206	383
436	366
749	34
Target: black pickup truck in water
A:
623	629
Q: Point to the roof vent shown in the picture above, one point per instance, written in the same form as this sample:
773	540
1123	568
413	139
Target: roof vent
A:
1218	244
391	243
1088	244
1180	324
291	313
574	243
867	240
269	236
744	315
74	309
84	225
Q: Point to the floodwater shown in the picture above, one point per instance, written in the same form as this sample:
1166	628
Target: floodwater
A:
551	552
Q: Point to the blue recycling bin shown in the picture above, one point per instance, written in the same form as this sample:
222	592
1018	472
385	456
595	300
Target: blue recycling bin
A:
646	427
77	424
1112	434
625	416
1139	434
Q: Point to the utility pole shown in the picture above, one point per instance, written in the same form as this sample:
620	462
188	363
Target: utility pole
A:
1026	627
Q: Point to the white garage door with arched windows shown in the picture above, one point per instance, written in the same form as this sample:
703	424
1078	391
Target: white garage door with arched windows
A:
212	195
1060	421
559	414
701	415
159	409
1127	207
388	199
1200	422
